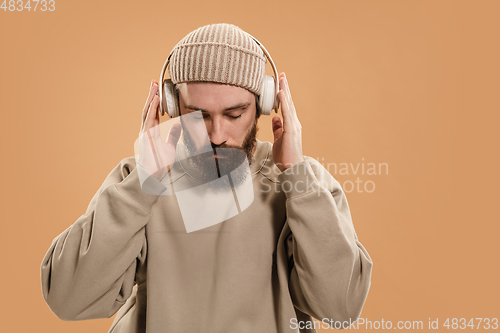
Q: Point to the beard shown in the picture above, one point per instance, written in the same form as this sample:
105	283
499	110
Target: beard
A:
221	166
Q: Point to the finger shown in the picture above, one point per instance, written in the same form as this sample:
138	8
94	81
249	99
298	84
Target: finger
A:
289	95
148	103
174	134
146	107
291	122
152	92
148	100
277	127
151	114
279	87
285	109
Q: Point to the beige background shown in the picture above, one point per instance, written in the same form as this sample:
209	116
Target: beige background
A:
413	84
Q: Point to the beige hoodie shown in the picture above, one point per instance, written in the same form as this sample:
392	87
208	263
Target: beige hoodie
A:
292	254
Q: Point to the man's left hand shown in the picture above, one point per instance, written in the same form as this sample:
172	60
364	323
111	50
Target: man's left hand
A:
287	148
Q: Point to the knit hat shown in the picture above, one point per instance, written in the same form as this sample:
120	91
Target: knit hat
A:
220	53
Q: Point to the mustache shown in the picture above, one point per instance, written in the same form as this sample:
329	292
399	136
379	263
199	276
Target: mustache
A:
223	145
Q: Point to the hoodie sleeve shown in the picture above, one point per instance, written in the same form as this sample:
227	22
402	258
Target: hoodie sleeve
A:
89	270
330	270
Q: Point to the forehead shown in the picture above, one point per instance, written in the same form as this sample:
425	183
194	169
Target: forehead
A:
211	95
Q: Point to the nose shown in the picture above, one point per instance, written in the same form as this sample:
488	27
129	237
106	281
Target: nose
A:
217	132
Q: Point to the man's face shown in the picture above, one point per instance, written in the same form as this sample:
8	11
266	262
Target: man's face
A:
229	112
229	116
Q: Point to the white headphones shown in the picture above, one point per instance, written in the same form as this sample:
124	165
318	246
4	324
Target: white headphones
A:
268	100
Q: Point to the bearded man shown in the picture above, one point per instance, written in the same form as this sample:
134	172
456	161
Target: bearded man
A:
217	231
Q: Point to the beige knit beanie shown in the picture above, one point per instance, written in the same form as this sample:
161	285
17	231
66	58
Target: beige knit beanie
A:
219	53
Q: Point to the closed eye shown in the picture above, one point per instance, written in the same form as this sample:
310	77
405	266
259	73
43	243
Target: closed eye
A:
202	115
198	114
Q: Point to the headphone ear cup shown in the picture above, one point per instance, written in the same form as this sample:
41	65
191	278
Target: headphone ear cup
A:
268	95
170	99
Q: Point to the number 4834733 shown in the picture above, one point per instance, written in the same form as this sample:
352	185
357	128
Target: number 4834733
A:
19	5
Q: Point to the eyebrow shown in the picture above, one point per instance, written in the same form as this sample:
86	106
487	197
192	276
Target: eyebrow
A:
235	107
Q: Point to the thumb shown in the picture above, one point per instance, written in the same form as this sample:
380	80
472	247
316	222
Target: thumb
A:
277	127
174	134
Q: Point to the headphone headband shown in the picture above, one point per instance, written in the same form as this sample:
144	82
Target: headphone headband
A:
267	55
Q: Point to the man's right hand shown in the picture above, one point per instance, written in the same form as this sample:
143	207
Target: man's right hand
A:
155	155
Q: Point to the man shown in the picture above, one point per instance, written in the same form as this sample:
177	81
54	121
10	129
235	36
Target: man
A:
290	254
